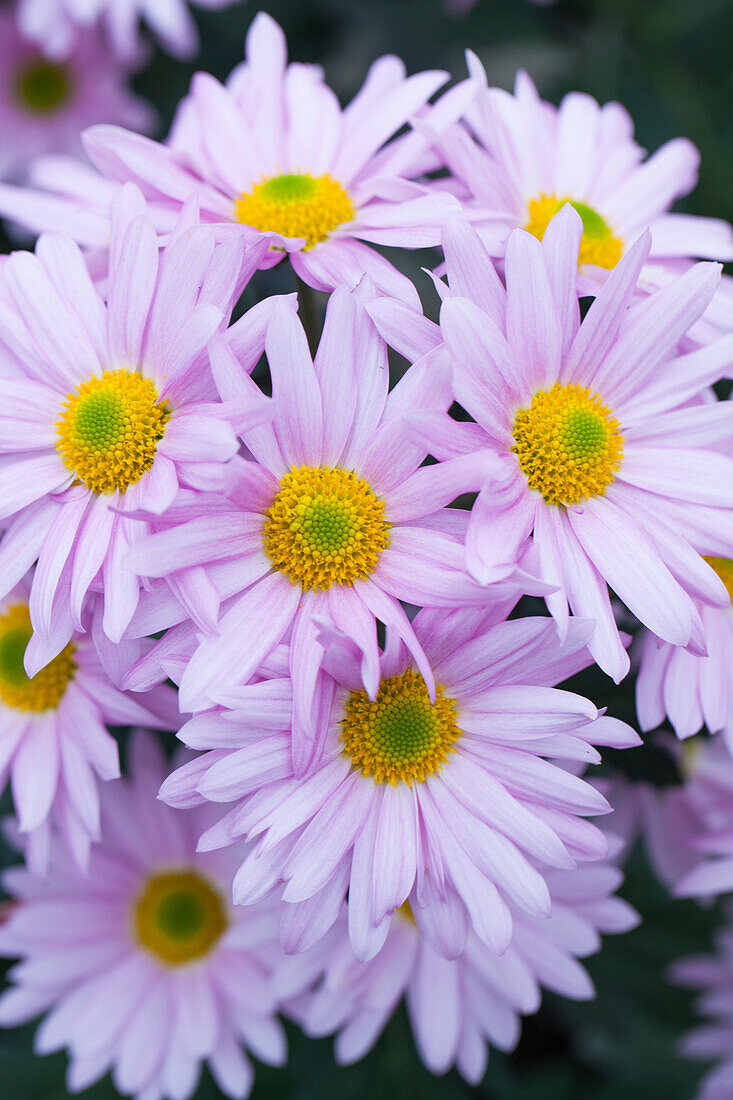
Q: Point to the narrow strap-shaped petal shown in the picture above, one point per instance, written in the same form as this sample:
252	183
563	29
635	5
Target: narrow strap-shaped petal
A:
396	837
532	315
298	422
35	774
132	277
320	847
597	334
697	476
650	332
338	352
59	547
28	479
345	260
587	594
436	1022
622	553
471	272
254	624
561	244
22	540
404	329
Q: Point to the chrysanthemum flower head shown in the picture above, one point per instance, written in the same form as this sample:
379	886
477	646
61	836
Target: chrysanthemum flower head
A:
664	819
115	411
57	25
607	453
143	966
332	519
711	976
707	802
687	827
521	159
45	103
273	153
55	744
454	797
458	1006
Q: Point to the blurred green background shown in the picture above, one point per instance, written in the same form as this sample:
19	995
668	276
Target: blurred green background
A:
669	62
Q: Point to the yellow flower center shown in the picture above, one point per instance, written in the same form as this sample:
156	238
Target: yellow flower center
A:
43	87
46	689
296	206
179	916
724	568
690	751
109	430
401	736
568	444
406	913
598	245
326	526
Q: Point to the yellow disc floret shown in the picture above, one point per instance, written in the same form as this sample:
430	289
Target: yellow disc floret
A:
690	752
179	916
406	913
724	568
568	444
296	206
326	526
47	688
598	245
109	430
401	736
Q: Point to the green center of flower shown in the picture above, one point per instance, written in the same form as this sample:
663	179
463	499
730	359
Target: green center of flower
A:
583	434
401	736
289	188
99	420
17	690
598	246
568	444
296	205
326	526
109	430
179	917
43	87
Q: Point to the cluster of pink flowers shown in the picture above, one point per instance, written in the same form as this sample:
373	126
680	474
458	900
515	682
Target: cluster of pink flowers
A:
65	65
236	530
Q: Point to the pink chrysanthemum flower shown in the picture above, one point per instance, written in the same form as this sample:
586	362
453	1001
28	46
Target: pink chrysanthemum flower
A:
455	799
686	828
712	977
116	410
54	739
607	453
691	691
273	153
707	804
143	966
521	158
331	519
58	24
45	104
457	1006
663	819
